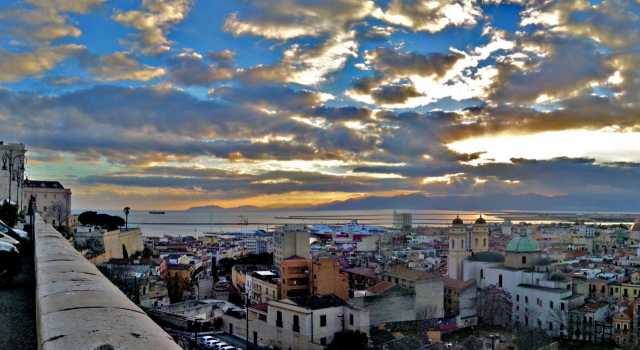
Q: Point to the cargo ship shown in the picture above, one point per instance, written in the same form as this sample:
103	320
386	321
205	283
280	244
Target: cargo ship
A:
157	212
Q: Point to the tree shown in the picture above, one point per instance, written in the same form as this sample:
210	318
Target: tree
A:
125	254
109	222
58	211
531	339
472	343
175	288
494	306
126	211
352	340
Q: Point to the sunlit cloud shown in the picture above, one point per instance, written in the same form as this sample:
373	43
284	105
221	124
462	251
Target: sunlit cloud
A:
603	145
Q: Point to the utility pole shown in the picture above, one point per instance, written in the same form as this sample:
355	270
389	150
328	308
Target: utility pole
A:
8	163
246	316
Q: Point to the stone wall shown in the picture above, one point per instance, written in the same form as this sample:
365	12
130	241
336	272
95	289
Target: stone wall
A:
78	308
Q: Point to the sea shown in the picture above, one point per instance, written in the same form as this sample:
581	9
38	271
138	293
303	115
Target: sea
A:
197	222
201	221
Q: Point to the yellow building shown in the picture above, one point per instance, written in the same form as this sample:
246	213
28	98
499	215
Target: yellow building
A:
328	279
627	291
294	277
622	324
119	242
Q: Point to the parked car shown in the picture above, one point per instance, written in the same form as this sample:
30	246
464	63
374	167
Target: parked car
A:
9	260
214	344
20	235
8	239
205	338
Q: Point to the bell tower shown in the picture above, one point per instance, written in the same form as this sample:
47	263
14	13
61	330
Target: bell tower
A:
458	248
480	237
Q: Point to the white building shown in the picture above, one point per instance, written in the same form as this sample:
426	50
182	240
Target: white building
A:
53	201
541	299
257	245
301	323
290	240
12	165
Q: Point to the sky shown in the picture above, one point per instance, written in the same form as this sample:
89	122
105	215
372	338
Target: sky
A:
169	104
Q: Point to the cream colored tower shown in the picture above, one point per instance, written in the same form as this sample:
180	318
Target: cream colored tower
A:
458	250
480	237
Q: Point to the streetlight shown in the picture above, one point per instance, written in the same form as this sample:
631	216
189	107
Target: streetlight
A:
126	211
246	316
8	162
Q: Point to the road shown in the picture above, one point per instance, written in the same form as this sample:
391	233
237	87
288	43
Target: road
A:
17	310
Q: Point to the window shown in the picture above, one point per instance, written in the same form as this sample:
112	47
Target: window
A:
539	324
517	297
279	319
550	326
524	260
323	320
476	241
296	323
351	319
526	299
323	341
484	242
481	274
551	305
500	281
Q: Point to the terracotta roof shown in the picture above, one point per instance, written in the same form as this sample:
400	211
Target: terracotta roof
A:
295	257
401	271
362	271
457	284
380	287
261	307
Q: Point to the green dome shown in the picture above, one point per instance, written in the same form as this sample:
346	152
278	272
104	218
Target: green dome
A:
523	244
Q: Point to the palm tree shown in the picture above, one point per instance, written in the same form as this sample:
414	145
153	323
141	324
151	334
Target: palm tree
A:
126	211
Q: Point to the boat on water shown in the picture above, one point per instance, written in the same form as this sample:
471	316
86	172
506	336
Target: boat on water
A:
353	229
157	212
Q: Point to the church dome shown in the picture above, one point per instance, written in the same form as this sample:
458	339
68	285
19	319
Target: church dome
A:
457	221
523	244
481	220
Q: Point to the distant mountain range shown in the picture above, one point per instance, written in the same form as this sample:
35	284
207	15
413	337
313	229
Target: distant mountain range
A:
523	202
533	202
207	208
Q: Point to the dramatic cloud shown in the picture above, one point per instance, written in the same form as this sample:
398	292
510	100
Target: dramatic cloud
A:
43	20
153	22
16	66
121	66
192	68
183	102
430	15
289	19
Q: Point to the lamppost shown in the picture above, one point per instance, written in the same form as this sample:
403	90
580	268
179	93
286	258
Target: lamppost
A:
9	161
246	316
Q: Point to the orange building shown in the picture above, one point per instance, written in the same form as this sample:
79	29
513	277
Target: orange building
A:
326	278
294	278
